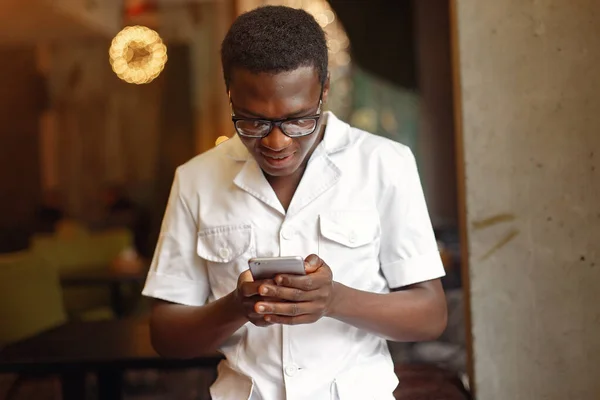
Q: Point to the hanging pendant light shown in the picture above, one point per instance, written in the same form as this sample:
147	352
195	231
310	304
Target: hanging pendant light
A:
137	55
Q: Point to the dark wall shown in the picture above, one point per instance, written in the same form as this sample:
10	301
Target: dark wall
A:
436	132
407	43
382	36
21	102
177	143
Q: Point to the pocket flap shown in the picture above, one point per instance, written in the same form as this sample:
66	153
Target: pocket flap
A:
225	243
350	228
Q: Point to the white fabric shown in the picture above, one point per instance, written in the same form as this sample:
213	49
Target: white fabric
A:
359	206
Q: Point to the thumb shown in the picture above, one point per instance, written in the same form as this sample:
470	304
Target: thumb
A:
246	276
312	263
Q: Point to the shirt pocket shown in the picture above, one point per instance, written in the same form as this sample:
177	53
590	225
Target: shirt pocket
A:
365	384
226	250
348	238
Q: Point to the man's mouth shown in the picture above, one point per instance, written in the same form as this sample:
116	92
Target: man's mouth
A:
278	157
278	160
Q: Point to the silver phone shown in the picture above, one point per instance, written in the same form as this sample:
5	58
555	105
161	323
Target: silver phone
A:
268	267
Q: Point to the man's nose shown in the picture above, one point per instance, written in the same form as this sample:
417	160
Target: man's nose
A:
276	140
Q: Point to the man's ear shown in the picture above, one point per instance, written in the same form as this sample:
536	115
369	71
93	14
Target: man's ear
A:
326	87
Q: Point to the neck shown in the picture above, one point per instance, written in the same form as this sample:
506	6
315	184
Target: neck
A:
285	186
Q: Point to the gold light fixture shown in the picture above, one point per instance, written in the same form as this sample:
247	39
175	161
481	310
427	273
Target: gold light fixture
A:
137	54
221	139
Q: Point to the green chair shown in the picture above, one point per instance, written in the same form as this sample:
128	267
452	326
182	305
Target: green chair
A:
30	297
83	252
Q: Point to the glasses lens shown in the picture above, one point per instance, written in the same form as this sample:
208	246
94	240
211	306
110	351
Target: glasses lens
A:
299	127
252	128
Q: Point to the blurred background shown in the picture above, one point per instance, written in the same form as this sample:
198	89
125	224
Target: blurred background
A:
102	100
498	103
78	138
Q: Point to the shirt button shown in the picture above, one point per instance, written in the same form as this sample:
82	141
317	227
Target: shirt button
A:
352	237
291	370
224	252
287	233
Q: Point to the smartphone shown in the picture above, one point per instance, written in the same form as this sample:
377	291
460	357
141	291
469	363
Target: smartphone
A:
268	267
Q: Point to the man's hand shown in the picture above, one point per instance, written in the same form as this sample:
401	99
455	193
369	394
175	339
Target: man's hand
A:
247	296
294	299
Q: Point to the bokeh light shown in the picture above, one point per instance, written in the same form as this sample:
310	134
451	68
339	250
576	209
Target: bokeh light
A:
137	55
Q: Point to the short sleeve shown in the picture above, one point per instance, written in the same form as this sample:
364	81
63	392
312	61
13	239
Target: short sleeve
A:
409	252
177	274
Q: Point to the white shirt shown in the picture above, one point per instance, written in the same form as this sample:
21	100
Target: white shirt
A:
359	207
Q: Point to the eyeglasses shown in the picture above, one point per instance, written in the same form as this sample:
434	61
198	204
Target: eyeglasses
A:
260	127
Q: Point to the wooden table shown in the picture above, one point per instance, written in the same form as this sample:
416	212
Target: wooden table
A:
104	276
105	348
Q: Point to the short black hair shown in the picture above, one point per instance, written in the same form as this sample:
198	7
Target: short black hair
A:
274	39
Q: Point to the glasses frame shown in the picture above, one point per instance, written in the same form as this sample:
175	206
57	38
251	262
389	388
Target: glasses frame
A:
276	122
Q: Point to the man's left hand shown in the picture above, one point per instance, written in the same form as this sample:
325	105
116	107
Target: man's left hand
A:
305	298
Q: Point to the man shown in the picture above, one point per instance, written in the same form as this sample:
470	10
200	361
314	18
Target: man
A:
294	181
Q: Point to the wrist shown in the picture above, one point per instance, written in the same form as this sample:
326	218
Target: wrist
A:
235	307
336	303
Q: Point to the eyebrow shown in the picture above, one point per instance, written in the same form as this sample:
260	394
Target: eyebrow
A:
249	114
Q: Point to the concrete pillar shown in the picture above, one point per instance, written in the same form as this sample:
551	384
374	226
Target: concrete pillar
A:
530	116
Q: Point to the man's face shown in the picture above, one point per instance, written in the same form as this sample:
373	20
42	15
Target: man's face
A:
278	96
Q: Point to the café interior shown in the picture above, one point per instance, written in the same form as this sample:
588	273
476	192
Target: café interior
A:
91	133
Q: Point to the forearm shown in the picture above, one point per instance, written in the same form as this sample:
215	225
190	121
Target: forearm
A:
415	314
185	332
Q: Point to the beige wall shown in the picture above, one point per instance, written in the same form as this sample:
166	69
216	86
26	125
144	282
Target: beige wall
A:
102	17
530	86
33	21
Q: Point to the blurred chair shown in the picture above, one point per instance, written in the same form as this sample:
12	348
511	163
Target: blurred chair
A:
30	297
80	251
108	244
67	228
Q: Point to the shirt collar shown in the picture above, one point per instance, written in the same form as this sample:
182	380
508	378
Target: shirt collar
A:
337	137
235	149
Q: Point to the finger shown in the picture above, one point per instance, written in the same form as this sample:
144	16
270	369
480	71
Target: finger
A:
312	263
308	282
287	309
250	289
245	276
245	283
261	322
299	320
277	293
250	302
254	316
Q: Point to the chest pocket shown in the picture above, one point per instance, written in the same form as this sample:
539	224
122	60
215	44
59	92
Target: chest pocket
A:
226	250
350	238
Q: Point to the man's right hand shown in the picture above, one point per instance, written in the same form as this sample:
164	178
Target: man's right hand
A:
179	331
246	295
